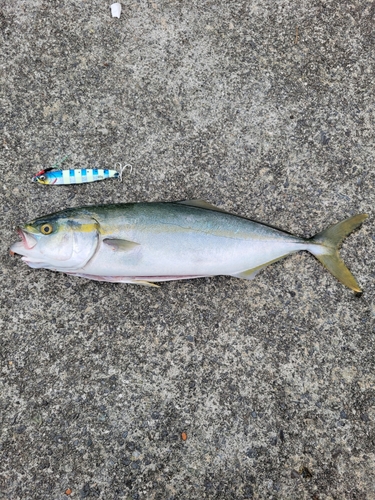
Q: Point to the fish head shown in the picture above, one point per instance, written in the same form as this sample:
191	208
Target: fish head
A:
62	242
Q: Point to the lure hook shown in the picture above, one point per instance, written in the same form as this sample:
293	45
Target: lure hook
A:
122	168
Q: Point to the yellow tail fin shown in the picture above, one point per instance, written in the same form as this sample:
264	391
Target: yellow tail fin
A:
329	241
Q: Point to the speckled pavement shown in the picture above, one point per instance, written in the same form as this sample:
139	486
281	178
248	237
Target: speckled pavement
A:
262	107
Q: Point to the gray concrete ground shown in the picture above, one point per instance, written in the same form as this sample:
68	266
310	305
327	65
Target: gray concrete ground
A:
262	107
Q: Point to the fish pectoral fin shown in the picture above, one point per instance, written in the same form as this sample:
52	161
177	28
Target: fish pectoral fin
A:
250	274
117	244
201	204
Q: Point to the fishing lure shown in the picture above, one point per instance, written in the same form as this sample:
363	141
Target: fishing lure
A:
74	176
50	176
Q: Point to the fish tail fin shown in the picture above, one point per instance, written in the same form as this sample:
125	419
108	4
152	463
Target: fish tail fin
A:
327	244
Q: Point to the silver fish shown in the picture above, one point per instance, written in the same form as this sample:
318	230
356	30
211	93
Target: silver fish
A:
144	243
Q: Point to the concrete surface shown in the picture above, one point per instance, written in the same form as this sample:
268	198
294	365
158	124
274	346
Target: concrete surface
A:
263	107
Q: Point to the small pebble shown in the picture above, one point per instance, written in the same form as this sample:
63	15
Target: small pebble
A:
116	10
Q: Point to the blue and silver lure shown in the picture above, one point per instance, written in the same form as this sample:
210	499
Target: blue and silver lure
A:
50	176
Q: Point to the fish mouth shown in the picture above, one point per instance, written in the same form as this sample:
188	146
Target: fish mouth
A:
28	240
27	243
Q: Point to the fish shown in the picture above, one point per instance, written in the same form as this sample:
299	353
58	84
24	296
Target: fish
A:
146	243
50	176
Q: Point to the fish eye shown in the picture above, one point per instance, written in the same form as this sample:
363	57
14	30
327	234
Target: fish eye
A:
42	177
46	229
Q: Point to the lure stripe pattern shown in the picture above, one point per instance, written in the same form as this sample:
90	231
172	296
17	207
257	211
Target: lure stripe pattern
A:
75	176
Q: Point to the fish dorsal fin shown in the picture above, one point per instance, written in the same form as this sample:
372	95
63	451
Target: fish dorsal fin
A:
202	204
117	244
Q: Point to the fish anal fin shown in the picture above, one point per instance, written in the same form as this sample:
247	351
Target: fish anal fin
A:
250	274
202	204
118	244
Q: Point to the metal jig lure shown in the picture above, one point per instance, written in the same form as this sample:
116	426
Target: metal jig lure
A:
50	176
